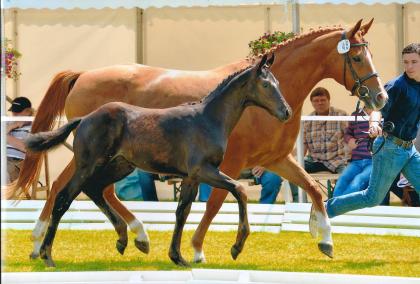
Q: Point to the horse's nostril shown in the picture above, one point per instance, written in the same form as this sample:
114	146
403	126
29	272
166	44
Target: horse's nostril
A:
380	97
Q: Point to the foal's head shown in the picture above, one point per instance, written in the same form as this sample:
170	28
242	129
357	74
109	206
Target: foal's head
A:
264	90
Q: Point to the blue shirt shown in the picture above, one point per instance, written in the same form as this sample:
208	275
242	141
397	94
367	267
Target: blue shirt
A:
403	106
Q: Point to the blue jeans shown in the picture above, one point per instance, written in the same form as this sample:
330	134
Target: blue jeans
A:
269	181
355	177
204	191
270	187
138	185
386	165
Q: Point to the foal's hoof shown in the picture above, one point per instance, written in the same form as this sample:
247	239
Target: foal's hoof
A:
49	262
180	261
47	259
234	251
326	249
143	246
34	255
313	223
120	247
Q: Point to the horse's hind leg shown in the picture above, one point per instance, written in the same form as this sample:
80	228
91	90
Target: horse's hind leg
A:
100	182
189	190
136	226
61	205
214	177
94	192
42	223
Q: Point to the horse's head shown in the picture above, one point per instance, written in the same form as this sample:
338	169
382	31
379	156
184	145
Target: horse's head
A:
266	92
357	72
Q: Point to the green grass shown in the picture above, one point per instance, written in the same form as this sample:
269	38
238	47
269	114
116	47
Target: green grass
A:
287	251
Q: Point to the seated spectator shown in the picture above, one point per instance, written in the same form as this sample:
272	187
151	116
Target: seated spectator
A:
270	183
323	141
17	131
139	185
355	176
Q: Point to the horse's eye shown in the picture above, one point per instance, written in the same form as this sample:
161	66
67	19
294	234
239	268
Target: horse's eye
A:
265	85
357	59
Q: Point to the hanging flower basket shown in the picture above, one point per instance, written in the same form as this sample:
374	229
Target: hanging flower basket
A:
11	60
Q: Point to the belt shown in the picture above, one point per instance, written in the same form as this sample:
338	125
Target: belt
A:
398	141
14	159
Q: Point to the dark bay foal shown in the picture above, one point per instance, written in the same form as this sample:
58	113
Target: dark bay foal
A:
188	141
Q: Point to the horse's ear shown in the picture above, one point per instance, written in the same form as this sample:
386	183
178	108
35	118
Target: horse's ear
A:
365	28
354	30
270	60
261	64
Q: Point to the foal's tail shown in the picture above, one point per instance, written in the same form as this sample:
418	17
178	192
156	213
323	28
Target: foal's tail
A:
51	107
43	141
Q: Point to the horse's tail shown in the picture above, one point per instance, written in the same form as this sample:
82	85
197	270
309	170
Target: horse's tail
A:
43	141
51	107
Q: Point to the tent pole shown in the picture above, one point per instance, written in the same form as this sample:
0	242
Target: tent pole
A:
296	16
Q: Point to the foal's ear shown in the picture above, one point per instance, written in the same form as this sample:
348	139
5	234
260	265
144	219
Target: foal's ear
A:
365	28
261	64
354	30
270	60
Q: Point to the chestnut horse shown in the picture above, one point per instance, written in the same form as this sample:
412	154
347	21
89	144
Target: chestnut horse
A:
258	139
187	141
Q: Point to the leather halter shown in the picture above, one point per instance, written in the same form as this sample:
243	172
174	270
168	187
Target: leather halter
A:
358	82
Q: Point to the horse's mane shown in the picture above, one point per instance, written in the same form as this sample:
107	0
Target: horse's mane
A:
311	33
220	87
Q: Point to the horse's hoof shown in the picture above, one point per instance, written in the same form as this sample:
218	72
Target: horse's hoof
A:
326	249
49	262
34	255
120	247
199	257
47	259
143	246
180	261
234	251
313	223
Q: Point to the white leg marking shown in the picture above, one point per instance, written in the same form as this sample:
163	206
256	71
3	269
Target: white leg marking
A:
38	234
137	227
199	256
324	227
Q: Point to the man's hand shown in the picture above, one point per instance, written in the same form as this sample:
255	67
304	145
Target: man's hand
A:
375	130
258	171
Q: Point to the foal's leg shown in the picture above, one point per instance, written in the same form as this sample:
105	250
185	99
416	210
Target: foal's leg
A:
95	193
231	167
102	181
189	189
292	171
61	205
42	223
136	226
216	178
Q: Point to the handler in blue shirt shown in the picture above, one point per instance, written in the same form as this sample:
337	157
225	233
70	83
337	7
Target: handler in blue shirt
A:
396	150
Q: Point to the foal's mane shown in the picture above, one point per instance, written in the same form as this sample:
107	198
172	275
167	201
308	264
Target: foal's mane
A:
311	34
220	87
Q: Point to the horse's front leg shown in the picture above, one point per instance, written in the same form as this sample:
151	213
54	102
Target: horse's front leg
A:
232	167
42	223
188	193
292	171
216	178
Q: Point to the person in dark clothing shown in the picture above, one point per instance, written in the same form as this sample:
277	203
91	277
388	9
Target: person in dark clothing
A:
395	151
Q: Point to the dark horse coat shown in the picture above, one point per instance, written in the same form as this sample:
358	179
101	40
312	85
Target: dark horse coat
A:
188	140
